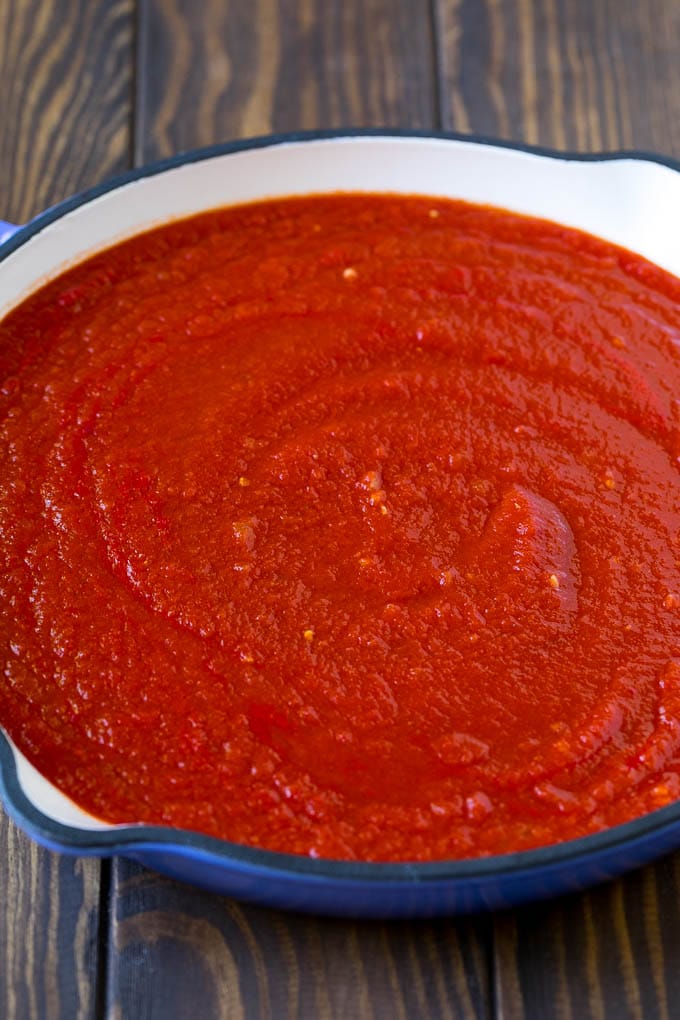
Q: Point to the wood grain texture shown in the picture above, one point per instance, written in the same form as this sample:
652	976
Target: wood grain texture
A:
180	952
570	74
49	927
65	99
611	952
220	70
65	112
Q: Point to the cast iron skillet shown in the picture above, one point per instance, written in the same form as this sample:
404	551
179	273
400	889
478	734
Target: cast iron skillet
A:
284	880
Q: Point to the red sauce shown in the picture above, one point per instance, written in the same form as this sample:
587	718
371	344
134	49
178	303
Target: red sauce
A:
348	526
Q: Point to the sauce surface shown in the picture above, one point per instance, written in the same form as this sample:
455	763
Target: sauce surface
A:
347	526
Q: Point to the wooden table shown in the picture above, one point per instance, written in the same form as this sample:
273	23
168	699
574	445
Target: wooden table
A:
91	87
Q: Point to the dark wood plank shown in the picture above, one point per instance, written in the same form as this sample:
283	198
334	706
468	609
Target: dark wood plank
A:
222	71
65	102
609	953
572	74
575	74
181	953
65	97
49	928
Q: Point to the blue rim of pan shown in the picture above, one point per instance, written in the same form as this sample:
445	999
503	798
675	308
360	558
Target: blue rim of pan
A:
140	837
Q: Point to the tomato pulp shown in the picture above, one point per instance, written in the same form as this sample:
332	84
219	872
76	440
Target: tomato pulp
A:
347	526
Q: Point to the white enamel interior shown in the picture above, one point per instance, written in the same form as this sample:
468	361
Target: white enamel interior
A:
631	202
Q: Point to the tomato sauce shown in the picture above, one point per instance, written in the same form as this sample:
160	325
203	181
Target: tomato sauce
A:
347	526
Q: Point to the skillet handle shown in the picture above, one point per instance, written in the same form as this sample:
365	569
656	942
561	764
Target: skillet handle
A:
6	230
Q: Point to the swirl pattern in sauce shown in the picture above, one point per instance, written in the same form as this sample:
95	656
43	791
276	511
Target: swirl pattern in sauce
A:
348	526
